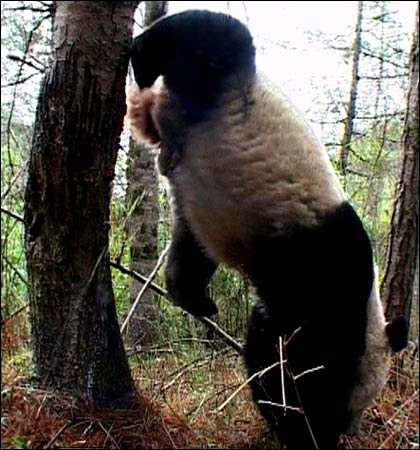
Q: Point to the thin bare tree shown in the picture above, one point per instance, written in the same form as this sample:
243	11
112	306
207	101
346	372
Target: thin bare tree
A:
142	202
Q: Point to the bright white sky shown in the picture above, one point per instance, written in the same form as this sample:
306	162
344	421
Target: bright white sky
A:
307	70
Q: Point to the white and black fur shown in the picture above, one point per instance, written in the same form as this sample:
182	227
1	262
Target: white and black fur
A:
252	188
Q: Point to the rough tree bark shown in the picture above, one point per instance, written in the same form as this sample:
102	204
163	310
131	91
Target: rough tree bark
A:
397	285
142	199
76	341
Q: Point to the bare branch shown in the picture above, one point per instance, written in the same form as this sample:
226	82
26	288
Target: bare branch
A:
28	63
245	12
12	182
18	77
139	277
144	288
239	389
198	362
19	81
359	174
14	313
292	335
293	378
226	337
93	273
384	60
15	270
108	434
58	433
284	407
205	320
29	8
384	77
12	214
305	372
283	390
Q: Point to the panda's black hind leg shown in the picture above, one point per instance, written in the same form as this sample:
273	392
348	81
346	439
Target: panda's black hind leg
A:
188	272
318	427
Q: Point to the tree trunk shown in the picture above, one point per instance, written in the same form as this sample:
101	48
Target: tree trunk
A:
142	200
351	105
397	285
76	341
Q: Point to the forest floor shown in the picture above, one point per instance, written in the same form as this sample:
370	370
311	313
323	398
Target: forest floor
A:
181	405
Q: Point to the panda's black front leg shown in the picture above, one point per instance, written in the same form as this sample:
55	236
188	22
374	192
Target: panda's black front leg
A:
188	272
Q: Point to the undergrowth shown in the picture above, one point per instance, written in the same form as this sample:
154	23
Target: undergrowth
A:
181	387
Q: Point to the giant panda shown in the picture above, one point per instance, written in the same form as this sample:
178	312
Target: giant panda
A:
252	188
319	417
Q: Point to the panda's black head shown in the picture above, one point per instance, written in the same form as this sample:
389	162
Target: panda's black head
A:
194	51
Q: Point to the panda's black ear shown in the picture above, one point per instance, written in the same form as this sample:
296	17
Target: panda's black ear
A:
147	56
397	332
194	51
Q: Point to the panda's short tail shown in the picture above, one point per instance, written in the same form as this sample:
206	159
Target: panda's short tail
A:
397	332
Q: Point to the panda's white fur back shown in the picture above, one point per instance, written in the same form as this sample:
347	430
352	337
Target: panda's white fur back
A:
252	168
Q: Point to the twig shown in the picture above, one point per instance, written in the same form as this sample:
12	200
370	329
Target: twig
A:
28	63
29	8
123	225
139	277
402	407
88	428
305	372
292	335
14	313
41	406
18	77
411	399
303	409
57	435
226	337
12	182
16	271
19	80
205	320
246	12
163	346
108	435
146	285
239	389
12	214
93	273
283	406
169	434
198	362
283	391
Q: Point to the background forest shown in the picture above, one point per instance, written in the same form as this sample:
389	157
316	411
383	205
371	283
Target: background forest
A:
351	67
